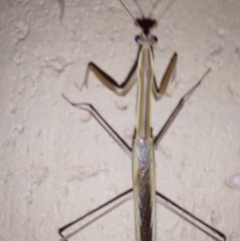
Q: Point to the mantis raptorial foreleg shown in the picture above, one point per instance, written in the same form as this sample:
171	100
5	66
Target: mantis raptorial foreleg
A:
168	76
119	89
123	88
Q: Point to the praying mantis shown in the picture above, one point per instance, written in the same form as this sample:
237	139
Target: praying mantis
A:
141	153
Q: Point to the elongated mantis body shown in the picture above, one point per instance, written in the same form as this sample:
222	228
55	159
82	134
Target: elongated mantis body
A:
144	143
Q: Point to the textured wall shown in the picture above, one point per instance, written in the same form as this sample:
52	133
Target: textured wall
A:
56	163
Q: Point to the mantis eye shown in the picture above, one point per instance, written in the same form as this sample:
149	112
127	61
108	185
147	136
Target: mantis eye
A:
137	38
155	39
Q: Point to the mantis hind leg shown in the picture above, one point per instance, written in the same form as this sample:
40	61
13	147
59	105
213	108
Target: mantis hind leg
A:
190	218
121	198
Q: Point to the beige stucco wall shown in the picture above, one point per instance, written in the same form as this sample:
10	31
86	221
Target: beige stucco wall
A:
56	163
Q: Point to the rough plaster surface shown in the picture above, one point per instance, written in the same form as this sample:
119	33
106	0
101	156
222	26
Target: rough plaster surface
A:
56	163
